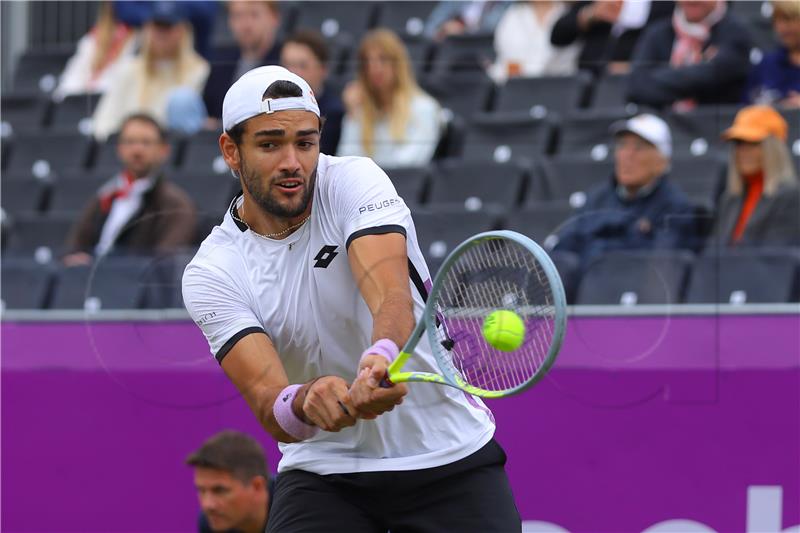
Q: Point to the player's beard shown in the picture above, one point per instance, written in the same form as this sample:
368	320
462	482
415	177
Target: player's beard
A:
260	192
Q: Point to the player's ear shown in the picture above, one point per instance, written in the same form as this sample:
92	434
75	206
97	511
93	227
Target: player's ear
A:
230	152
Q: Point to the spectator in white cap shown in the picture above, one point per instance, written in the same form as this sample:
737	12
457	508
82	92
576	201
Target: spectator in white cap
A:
639	207
304	293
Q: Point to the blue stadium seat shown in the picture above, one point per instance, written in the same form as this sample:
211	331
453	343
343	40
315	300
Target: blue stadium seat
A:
23	112
468	52
609	94
440	231
201	154
698	177
73	195
162	280
473	94
544	94
411	183
38	69
72	113
746	276
477	185
45	154
503	137
697	133
405	18
336	20
41	235
211	193
110	283
26	284
23	195
568	267
572	178
587	133
539	221
635	277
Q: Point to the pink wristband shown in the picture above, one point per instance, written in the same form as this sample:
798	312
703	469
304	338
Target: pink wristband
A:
384	347
287	420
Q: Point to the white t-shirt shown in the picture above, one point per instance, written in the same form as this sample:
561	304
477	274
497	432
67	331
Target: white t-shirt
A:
300	291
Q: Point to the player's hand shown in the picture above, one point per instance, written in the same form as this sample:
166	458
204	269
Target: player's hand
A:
327	404
366	393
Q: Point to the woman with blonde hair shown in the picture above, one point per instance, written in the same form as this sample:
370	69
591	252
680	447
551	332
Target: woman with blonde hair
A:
388	117
167	72
761	202
776	79
94	66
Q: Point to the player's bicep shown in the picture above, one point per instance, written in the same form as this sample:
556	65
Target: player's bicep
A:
380	266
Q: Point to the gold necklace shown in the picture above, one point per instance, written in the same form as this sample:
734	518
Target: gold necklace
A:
270	236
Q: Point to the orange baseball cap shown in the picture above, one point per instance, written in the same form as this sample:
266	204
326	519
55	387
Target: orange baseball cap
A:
755	123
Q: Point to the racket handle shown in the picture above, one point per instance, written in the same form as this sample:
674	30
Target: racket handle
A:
386	383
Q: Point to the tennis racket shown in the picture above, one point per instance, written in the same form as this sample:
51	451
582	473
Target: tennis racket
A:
492	271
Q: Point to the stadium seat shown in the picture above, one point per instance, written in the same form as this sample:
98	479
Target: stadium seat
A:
568	267
545	94
109	283
473	94
572	178
38	69
411	183
23	112
201	154
405	18
211	193
757	15
792	117
477	185
73	195
697	132
337	19
25	284
440	231
23	195
42	236
635	277
46	154
698	177
468	52
746	276
74	112
539	221
162	280
503	137
609	94
587	133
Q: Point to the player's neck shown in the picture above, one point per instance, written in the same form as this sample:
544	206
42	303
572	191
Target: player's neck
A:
268	225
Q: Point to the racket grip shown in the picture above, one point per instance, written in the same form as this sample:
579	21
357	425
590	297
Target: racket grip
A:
386	383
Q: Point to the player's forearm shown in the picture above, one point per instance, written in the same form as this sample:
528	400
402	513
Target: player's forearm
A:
394	318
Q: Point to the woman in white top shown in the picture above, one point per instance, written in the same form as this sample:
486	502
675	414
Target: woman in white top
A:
522	43
167	62
95	64
389	118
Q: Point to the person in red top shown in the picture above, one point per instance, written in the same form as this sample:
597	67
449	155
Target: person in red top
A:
761	202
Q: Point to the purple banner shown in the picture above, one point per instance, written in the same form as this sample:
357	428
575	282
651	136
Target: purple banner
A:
645	424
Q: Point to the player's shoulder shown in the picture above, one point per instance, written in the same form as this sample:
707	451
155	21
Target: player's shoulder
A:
217	257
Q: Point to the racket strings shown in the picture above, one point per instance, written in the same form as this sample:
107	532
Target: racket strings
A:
492	275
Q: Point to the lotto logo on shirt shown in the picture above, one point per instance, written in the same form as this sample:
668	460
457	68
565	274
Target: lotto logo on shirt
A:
377	206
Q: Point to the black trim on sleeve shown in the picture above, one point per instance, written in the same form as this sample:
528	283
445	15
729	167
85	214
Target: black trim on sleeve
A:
417	280
228	346
377	230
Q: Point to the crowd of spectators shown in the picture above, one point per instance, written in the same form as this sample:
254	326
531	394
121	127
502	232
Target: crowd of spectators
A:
156	69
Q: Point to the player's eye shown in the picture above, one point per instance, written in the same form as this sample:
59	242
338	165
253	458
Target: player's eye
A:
306	144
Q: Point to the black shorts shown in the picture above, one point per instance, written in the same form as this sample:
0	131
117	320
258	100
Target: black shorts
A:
470	495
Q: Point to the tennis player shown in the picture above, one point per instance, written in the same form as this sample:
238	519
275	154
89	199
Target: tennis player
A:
304	293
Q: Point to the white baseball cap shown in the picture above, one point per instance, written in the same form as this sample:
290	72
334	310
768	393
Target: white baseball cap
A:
650	128
245	99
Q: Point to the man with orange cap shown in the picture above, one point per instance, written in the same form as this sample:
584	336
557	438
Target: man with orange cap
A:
761	201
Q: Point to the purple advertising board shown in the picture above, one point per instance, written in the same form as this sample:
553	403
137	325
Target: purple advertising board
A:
646	423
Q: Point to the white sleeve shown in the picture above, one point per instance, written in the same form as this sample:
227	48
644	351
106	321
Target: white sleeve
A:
422	134
366	202
74	79
219	306
350	140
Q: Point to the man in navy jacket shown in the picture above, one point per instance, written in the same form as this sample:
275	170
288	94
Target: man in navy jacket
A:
638	208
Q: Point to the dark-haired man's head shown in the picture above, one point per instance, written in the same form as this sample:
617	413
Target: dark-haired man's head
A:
254	25
230	475
275	155
142	145
306	54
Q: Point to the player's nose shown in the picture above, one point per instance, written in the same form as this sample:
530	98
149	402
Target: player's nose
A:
290	162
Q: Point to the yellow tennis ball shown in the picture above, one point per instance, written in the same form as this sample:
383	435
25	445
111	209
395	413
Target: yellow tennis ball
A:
504	330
